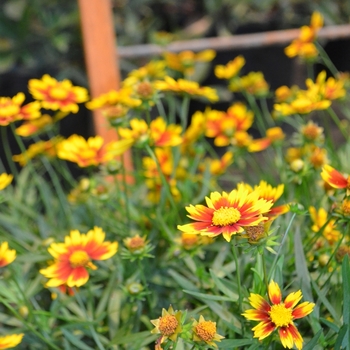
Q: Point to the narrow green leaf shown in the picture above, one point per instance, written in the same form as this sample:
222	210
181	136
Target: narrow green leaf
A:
339	344
234	343
75	340
224	286
207	296
311	344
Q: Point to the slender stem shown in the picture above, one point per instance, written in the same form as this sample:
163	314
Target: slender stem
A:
184	112
265	271
7	150
326	60
259	118
338	123
144	281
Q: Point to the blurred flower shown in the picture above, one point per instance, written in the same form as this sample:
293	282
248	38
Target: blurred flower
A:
219	166
318	157
92	151
185	61
5	180
57	95
312	132
11	109
273	135
341	252
226	213
47	148
304	46
253	83
335	178
231	69
194	131
10	341
322	223
168	325
345	207
205	331
188	87
31	127
7	256
223	126
73	257
135	243
280	315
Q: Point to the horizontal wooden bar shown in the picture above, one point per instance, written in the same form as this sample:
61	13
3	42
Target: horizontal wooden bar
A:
241	41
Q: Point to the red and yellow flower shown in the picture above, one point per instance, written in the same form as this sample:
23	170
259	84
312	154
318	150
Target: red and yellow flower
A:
10	341
31	127
92	151
74	257
227	213
279	315
335	179
57	95
7	256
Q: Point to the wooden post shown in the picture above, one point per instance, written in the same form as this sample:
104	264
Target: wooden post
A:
101	60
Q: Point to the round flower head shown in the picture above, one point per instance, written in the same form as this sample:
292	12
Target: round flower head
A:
75	255
168	325
7	256
227	213
335	179
5	180
205	331
280	315
10	341
57	95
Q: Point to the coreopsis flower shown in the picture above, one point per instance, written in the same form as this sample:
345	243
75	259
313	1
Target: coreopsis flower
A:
5	180
345	207
57	95
135	243
194	131
304	46
11	109
185	61
335	179
231	69
318	157
205	331
73	258
273	135
322	223
278	315
187	87
168	325
92	151
223	126
219	166
7	256
31	127
227	213
10	341
312	132
47	148
253	83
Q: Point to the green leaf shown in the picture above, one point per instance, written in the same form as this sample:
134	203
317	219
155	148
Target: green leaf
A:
224	286
346	298
207	296
342	338
234	343
75	340
311	344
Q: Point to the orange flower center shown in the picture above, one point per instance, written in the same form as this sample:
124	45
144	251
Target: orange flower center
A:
346	207
225	216
79	258
144	89
280	315
167	324
58	93
206	330
136	242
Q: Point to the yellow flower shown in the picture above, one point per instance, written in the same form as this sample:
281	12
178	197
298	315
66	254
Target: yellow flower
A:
31	127
312	132
169	324
57	95
47	148
183	86
7	256
75	255
231	69
278	316
92	151
135	243
253	83
205	331
219	166
5	180
10	341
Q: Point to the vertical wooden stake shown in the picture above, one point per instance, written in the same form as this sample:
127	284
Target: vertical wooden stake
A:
101	59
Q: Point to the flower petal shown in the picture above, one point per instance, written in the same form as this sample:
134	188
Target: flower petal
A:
274	292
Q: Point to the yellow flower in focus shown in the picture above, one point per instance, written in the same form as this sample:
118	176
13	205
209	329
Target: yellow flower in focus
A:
231	69
205	331
188	87
5	180
226	213
10	341
278	316
57	95
169	324
47	148
7	256
322	223
31	127
92	151
75	255
253	83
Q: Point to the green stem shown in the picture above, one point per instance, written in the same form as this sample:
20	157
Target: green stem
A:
184	112
265	271
144	282
259	118
337	122
326	60
8	154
